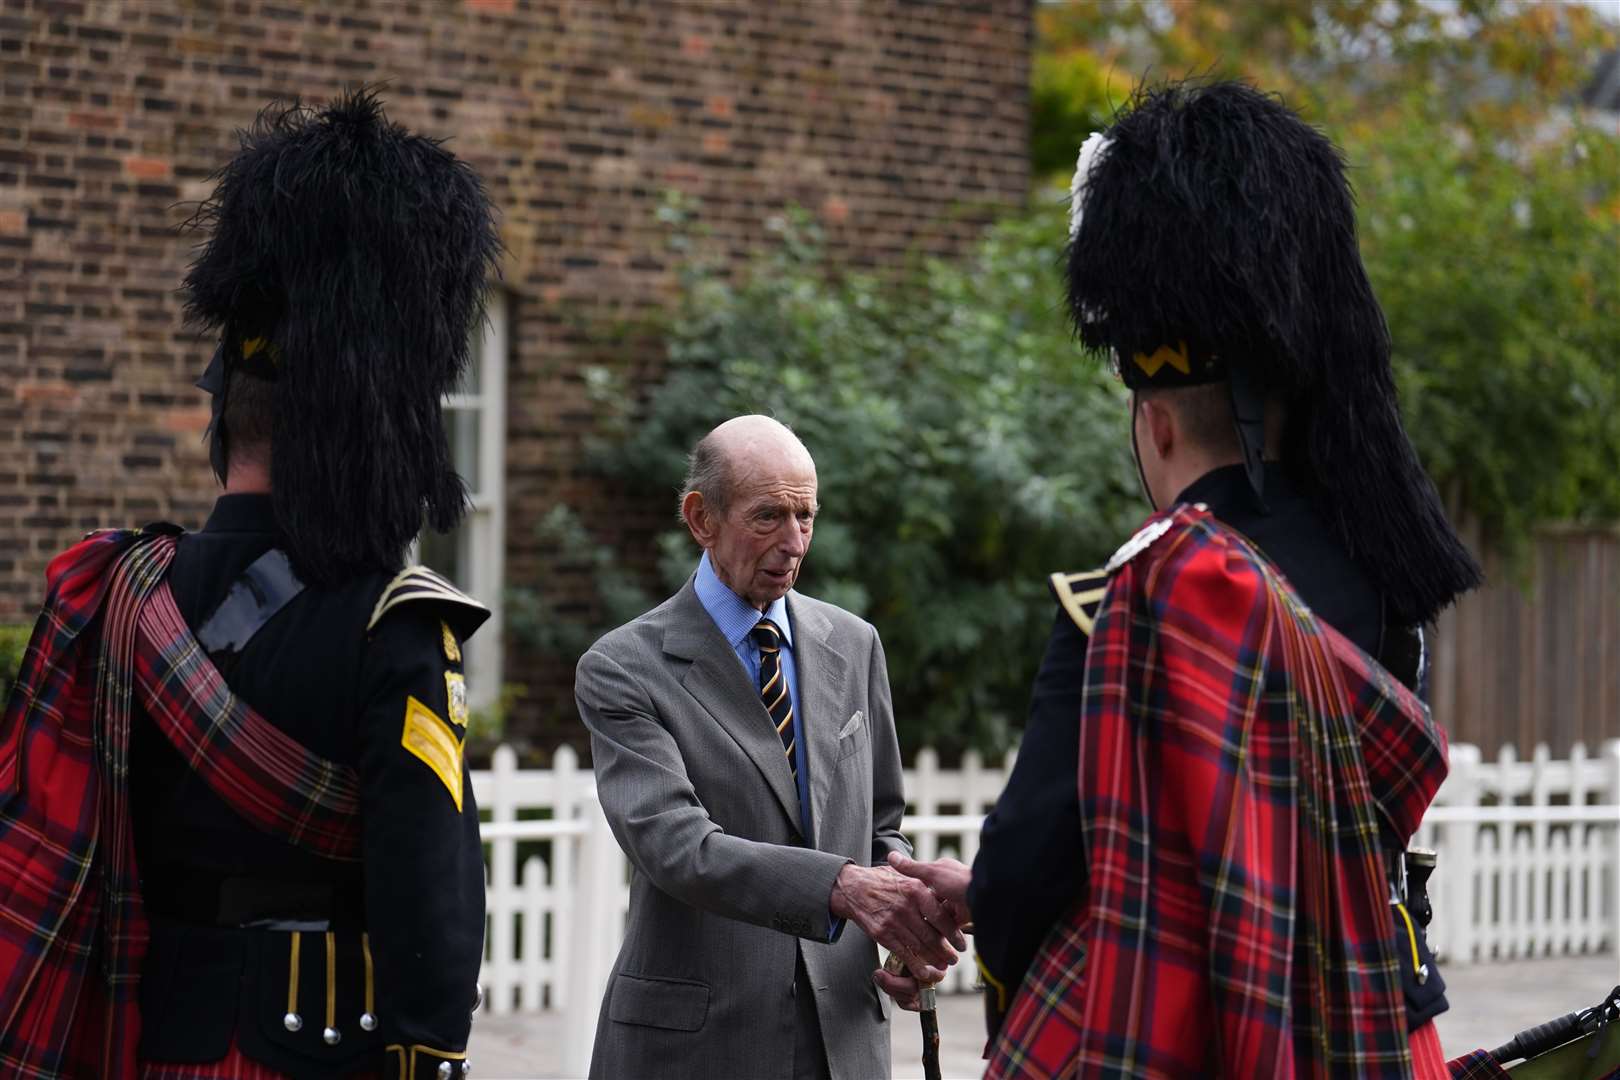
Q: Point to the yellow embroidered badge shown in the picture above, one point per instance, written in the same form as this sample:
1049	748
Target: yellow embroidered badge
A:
452	651
455	689
432	741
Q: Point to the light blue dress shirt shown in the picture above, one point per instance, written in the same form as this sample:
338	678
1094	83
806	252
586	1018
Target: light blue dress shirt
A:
736	619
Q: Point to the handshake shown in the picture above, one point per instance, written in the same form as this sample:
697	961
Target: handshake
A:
916	910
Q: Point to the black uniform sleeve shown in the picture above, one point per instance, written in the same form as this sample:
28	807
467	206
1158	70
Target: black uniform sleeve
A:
1029	870
424	876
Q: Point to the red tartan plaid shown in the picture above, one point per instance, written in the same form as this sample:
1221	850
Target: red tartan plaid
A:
69	891
1478	1065
1236	757
233	1066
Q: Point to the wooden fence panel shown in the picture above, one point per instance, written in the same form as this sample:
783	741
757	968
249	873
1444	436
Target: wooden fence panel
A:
1536	659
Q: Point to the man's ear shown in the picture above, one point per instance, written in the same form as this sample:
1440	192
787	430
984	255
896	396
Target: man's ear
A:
696	516
1161	425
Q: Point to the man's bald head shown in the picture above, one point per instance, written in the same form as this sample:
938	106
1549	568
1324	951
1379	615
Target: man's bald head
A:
737	447
750	503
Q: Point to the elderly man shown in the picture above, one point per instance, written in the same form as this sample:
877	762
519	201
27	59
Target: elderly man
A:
745	755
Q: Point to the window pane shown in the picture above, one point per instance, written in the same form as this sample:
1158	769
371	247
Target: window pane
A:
462	427
472	382
446	553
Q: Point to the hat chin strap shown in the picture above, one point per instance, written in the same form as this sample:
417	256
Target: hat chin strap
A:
1136	456
214	383
1249	419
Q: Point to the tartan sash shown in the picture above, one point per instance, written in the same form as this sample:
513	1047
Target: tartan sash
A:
69	887
1236	759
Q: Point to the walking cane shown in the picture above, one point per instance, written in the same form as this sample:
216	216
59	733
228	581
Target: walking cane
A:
928	1014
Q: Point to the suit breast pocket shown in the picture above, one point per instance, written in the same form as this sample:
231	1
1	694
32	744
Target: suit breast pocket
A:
852	736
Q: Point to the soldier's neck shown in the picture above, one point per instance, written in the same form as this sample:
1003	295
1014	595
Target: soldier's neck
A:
247	477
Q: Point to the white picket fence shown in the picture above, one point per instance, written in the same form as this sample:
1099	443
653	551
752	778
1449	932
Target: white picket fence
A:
1529	866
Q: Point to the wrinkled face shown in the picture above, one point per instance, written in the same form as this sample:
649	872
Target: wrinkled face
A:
759	542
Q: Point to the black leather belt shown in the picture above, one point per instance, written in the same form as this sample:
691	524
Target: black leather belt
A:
255	903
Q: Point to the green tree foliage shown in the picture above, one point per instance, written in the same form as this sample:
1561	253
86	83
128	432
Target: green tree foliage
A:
13	643
1498	267
965	451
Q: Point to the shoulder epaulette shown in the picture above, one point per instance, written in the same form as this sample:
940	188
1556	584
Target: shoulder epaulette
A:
418	584
1144	538
1080	595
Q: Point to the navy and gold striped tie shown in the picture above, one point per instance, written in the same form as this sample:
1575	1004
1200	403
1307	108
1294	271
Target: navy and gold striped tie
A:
773	688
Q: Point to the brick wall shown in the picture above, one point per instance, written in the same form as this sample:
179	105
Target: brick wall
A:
901	125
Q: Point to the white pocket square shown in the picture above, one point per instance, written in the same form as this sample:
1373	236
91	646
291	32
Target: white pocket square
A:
854	722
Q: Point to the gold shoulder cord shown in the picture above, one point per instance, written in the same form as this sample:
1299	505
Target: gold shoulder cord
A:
330	1033
368	1019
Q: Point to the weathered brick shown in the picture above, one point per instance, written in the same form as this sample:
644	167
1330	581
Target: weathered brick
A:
145	168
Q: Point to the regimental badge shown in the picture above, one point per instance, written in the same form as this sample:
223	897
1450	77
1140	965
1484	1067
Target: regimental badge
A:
434	743
1139	543
452	651
455	688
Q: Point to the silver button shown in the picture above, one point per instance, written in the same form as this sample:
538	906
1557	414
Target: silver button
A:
466	1068
292	1022
368	1022
332	1036
1423	974
444	1070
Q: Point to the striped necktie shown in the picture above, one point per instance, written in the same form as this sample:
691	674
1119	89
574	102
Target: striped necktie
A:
773	688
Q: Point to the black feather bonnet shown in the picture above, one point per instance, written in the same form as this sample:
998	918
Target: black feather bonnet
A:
347	260
1214	233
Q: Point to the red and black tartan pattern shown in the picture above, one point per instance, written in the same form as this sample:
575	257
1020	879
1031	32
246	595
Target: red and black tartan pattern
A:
1478	1065
74	934
1235	759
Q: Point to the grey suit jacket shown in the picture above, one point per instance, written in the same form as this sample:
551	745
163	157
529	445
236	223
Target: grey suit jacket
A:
725	892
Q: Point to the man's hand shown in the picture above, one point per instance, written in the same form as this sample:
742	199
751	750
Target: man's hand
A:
900	914
947	878
905	990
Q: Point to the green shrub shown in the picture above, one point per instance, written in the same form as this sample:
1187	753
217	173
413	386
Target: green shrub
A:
13	643
964	447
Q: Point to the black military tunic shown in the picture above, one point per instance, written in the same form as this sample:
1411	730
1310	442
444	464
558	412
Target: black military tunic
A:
1029	871
388	948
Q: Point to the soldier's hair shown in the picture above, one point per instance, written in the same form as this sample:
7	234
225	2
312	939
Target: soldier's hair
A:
1205	413
249	416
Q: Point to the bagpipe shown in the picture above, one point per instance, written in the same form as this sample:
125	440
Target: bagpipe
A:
1581	1045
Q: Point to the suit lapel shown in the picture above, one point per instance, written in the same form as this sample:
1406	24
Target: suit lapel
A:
719	682
822	672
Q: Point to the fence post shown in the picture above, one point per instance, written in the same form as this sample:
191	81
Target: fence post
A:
1459	840
1611	759
569	806
597	940
504	897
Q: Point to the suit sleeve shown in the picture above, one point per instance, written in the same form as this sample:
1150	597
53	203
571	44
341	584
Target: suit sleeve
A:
666	833
888	790
1029	870
423	860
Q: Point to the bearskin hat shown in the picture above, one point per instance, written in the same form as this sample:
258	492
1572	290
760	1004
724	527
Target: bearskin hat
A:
346	260
1213	237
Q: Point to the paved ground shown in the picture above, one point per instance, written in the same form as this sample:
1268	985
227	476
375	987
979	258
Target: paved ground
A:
1489	1003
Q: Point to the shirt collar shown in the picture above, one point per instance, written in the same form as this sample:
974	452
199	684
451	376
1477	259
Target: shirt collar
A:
731	613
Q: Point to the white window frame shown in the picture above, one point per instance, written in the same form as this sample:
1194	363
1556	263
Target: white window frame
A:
484	537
